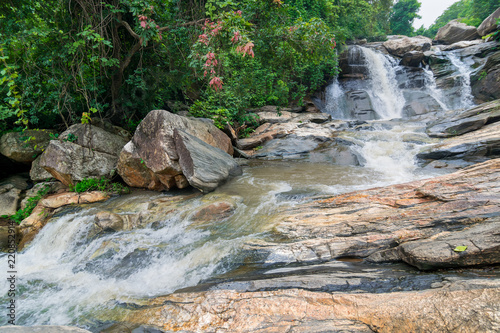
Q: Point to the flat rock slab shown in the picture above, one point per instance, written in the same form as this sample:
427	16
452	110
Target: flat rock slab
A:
298	310
459	123
372	223
42	329
480	143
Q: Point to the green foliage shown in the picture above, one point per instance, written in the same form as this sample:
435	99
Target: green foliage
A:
63	62
471	12
21	214
402	16
99	184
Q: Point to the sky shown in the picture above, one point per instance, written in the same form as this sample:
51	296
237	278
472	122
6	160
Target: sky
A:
430	10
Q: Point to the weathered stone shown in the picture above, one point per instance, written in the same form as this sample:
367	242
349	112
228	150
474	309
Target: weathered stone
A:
69	162
151	159
24	146
412	59
399	47
95	138
456	31
481	242
31	225
298	310
485	82
324	229
480	143
10	194
52	187
205	167
134	172
37	173
109	221
256	140
489	25
459	123
462	44
359	105
419	103
275	117
42	329
214	212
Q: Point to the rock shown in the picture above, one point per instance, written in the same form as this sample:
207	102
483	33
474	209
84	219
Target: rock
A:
45	208
9	168
10	194
256	140
325	228
459	123
83	151
399	47
484	142
37	173
24	146
489	25
463	44
53	187
455	32
151	159
359	105
204	166
412	59
134	171
485	82
69	162
42	329
419	103
214	212
481	242
275	117
109	221
95	138
299	310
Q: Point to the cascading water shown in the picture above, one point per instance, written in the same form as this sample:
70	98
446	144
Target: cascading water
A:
464	70
387	98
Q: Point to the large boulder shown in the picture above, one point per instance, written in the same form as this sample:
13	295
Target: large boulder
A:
456	31
485	82
489	25
24	146
83	151
151	159
412	59
204	166
399	47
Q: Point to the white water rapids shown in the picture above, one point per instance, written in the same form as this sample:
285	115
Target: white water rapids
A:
67	276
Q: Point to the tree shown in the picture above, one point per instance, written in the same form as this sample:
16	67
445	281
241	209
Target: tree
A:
402	16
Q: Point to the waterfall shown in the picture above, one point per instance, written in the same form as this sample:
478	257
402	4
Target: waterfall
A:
431	86
464	70
334	100
387	98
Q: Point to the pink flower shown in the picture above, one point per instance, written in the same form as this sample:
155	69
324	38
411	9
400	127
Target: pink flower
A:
143	24
246	49
236	37
238	12
216	83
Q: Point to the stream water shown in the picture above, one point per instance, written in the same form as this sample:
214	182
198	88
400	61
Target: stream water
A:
68	275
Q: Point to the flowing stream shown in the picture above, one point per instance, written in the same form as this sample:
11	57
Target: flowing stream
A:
69	274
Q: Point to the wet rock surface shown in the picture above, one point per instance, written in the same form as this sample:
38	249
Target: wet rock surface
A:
399	47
